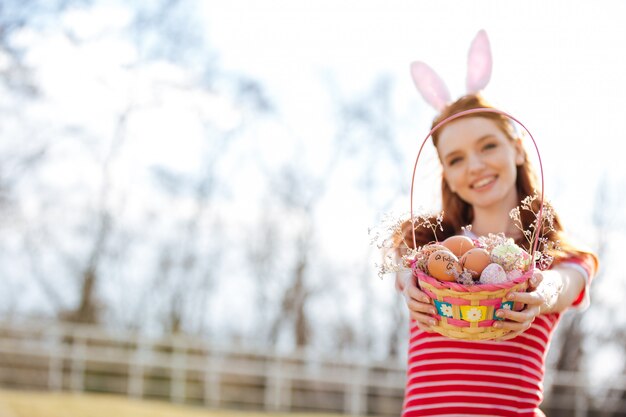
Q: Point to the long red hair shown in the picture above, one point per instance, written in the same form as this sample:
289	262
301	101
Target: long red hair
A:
458	213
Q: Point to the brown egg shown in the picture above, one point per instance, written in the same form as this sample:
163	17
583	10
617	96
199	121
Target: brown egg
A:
430	248
458	245
424	253
475	260
443	265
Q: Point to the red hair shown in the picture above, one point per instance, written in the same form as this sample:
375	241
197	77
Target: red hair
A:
458	213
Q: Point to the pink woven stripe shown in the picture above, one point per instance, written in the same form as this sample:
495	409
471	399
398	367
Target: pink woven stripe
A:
457	301
472	288
492	302
458	323
485	323
462	302
429	293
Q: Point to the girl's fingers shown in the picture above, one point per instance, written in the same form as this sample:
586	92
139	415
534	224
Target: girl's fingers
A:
535	280
529	298
512	326
423	319
527	314
425	328
421	307
517	321
412	292
418	303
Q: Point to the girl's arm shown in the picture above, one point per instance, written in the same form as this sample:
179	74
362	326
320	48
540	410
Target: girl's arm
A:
560	288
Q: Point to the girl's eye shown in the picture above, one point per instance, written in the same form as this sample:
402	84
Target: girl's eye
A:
489	146
453	161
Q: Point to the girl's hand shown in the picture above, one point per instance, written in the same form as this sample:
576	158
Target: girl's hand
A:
419	304
519	321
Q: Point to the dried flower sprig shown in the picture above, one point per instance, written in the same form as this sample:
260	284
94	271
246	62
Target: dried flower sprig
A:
537	231
426	221
492	240
384	234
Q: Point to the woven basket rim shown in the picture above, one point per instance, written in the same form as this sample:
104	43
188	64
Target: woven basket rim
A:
422	276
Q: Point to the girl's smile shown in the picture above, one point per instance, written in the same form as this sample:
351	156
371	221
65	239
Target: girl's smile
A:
484	183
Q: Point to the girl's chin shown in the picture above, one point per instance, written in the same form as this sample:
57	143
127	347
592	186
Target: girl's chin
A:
490	200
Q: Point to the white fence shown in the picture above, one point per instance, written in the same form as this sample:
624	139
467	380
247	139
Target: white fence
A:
82	358
53	356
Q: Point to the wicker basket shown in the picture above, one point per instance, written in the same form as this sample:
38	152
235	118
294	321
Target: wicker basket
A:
468	311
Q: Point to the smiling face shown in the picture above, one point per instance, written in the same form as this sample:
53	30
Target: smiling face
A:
480	162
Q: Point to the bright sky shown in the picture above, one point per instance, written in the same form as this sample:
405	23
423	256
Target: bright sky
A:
558	67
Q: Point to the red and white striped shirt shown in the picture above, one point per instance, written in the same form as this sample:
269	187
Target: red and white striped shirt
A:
449	377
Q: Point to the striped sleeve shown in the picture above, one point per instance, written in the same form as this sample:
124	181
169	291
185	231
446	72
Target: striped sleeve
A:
587	265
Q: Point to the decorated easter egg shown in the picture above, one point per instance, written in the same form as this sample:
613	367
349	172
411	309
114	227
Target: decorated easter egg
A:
514	274
458	245
493	274
508	255
526	260
443	265
428	249
475	261
421	258
465	278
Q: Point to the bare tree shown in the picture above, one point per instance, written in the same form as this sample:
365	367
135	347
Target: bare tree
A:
366	125
162	31
261	254
186	265
364	135
298	195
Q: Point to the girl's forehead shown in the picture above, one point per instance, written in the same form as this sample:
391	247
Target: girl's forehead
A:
466	131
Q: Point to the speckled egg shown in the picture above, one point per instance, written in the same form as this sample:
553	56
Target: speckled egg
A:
443	265
514	274
475	261
458	245
493	274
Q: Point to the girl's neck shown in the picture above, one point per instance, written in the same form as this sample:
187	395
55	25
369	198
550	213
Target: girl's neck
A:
494	220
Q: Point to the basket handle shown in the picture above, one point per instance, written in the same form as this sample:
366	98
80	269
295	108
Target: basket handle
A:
465	113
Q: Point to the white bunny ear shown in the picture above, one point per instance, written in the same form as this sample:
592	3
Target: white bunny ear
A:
479	63
430	85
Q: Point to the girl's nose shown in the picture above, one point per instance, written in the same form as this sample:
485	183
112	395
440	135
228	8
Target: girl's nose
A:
474	163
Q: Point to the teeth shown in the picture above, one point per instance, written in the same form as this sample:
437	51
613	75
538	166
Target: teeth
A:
483	182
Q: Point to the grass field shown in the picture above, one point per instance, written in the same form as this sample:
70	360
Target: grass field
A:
45	404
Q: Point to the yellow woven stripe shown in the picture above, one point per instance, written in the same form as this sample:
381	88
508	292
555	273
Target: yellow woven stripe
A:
456	312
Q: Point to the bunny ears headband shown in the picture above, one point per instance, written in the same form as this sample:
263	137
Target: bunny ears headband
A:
479	63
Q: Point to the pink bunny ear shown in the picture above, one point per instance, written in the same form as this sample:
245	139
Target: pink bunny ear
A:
479	63
430	85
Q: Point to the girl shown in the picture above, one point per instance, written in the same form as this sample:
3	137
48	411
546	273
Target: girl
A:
486	174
